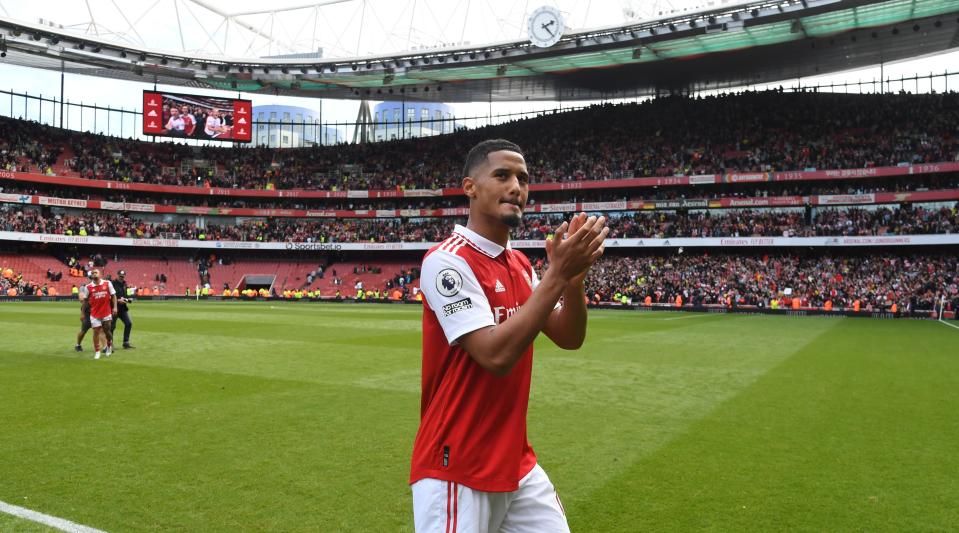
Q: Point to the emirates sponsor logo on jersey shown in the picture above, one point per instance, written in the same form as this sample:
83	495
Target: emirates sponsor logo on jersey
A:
456	307
502	313
500	287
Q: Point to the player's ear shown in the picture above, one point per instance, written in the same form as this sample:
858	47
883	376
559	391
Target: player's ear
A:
469	187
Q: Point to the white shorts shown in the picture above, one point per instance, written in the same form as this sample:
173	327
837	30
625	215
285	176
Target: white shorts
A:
447	507
98	322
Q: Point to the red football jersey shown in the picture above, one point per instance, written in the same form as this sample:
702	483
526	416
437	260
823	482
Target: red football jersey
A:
472	422
98	294
189	124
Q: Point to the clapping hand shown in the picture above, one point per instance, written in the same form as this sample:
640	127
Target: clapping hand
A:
575	246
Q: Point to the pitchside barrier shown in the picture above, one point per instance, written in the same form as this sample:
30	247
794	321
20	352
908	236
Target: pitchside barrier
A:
715	309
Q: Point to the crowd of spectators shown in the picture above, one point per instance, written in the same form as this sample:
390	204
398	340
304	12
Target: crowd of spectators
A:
877	281
21	148
751	131
109	224
912	282
755	132
886	221
908	220
923	182
13	283
113	195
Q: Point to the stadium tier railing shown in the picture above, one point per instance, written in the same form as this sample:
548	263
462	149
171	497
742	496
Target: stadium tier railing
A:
563	207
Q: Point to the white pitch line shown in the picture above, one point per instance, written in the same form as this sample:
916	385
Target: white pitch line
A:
948	324
685	317
47	520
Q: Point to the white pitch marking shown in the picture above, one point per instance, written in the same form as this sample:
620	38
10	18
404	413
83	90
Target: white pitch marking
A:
47	520
685	317
948	324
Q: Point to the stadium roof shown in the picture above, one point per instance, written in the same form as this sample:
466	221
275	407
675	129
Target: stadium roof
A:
758	42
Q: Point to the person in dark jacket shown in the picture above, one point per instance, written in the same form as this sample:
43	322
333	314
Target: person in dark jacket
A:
123	308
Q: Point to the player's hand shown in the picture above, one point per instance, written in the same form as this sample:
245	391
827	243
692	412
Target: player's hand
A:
570	252
114	310
574	224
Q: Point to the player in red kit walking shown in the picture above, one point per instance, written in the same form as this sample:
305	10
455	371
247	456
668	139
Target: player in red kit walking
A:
473	468
102	301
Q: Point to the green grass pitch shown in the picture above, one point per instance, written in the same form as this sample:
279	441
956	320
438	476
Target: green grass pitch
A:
300	417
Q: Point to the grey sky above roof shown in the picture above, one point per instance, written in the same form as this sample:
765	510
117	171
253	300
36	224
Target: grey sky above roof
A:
340	28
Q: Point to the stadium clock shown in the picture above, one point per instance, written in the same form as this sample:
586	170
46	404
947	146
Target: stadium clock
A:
545	26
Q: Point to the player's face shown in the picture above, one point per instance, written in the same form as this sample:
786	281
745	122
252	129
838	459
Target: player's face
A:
500	187
95	276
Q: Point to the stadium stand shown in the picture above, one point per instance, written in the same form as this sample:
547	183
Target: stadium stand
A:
944	183
876	280
31	268
752	131
172	272
769	134
908	220
28	273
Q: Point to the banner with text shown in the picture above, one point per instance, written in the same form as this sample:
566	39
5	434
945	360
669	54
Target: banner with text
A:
735	242
733	177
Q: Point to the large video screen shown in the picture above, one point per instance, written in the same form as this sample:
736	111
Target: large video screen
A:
188	116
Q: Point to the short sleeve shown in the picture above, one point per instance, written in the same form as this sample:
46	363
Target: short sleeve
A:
83	292
455	295
112	290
